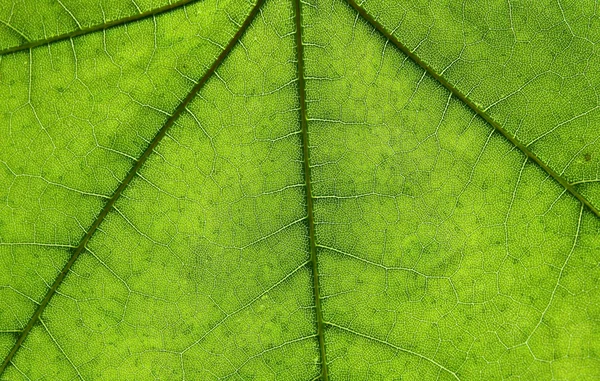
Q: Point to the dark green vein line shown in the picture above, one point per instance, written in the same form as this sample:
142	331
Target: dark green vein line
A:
132	172
484	115
98	27
309	198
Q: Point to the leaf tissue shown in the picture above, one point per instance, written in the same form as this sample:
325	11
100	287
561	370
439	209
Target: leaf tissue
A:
299	190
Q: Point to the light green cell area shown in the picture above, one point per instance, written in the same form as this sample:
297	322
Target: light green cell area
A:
590	190
532	65
22	281
107	327
27	270
77	113
443	254
273	339
201	270
37	211
362	358
6	339
434	234
567	333
30	365
23	21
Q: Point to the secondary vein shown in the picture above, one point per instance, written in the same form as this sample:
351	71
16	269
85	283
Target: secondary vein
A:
130	175
478	110
309	198
94	28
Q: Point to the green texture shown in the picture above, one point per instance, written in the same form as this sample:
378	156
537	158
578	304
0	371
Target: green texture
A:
299	190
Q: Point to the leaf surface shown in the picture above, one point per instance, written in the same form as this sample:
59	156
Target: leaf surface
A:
298	190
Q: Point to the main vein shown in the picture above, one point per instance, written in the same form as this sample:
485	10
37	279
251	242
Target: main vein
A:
309	198
484	115
130	175
98	27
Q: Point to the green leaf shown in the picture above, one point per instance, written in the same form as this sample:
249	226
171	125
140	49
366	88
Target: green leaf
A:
299	190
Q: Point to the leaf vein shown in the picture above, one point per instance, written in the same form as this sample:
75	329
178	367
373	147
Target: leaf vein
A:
94	28
126	181
473	106
398	348
309	199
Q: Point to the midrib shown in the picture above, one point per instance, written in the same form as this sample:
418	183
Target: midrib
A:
309	199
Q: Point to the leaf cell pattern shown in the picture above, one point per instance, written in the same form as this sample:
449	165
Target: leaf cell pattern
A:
285	189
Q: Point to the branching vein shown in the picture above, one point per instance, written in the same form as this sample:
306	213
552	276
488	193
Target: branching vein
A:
123	185
94	28
477	109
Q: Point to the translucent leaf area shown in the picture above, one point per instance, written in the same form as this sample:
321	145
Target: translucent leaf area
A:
299	190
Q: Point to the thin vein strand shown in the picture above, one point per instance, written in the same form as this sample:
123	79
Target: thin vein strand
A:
384	342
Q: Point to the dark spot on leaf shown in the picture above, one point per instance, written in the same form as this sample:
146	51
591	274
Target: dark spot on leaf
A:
587	156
